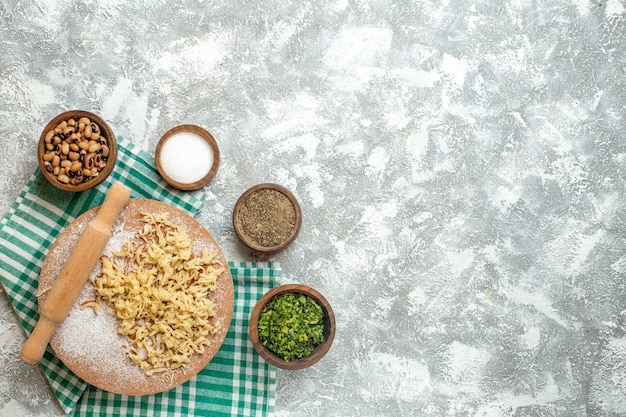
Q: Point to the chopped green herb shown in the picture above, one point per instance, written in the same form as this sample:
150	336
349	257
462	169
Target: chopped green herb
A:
291	325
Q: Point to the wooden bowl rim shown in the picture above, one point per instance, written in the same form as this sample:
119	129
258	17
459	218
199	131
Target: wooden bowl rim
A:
208	137
112	143
244	238
319	352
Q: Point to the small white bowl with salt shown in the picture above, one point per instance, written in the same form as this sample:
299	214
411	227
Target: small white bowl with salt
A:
187	157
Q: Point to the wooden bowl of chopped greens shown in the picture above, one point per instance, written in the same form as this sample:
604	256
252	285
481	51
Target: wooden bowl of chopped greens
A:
292	326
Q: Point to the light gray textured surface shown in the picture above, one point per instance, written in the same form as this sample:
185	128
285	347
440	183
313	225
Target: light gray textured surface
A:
460	165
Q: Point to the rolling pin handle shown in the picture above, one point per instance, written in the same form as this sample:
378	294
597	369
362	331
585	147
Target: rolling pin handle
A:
114	202
36	344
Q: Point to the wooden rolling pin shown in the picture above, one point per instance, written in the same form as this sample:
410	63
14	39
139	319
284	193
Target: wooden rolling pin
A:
75	273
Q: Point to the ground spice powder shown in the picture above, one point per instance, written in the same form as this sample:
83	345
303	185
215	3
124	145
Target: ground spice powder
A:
267	217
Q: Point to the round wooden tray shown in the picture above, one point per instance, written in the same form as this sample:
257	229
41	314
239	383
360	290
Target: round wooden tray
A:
89	344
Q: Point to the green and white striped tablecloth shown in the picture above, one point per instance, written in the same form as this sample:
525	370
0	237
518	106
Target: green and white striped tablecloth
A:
237	382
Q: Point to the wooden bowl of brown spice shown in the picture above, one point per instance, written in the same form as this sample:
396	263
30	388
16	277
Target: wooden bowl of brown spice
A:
267	218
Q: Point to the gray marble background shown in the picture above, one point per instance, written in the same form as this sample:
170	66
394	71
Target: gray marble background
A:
460	165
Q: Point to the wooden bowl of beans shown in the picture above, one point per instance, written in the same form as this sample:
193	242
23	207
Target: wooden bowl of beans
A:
77	150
